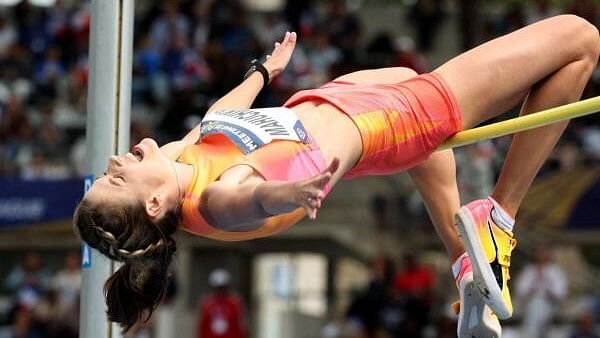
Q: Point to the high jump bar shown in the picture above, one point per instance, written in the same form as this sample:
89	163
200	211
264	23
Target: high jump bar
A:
525	122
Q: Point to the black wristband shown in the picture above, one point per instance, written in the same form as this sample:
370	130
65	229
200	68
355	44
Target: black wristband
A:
257	66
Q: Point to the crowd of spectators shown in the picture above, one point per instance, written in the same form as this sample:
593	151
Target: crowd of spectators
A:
413	297
188	53
42	303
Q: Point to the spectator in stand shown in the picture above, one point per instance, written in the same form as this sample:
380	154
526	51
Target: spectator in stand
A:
8	35
414	279
322	55
585	327
344	29
46	314
67	281
201	22
24	325
366	309
514	18
149	80
414	284
16	135
541	9
169	24
301	16
272	28
185	68
50	71
222	313
80	26
541	287
380	50
590	139
407	55
426	16
379	209
28	280
476	174
567	155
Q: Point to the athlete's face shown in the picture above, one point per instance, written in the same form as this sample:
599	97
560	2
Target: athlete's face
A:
133	176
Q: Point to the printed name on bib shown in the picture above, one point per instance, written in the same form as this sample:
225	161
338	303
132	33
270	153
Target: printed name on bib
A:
250	129
270	125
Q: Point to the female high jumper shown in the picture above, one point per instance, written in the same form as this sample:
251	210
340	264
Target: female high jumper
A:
246	173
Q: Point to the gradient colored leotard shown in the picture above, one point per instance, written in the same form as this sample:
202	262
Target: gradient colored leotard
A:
278	160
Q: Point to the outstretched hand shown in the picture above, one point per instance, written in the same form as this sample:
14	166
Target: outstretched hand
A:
281	54
310	192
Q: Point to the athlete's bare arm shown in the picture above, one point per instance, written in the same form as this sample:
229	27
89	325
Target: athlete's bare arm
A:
233	206
245	93
242	96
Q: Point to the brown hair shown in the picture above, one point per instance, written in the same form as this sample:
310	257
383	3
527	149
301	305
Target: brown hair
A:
127	234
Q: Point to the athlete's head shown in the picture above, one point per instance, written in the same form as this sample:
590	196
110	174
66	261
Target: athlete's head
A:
130	215
145	174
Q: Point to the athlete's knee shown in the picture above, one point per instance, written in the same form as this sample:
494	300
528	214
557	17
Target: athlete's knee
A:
585	33
569	21
590	39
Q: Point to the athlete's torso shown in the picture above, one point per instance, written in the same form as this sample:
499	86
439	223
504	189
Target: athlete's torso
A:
231	149
333	131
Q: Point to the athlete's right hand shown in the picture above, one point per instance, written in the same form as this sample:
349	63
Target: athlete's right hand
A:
309	193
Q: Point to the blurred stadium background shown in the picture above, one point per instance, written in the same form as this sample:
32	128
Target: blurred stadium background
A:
372	265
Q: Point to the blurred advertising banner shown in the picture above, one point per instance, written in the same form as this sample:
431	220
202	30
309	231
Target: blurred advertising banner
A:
585	212
32	202
563	200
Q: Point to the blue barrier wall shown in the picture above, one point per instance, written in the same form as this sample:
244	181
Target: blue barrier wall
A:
30	202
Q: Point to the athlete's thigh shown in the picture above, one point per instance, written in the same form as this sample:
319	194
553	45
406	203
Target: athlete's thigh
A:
492	78
380	75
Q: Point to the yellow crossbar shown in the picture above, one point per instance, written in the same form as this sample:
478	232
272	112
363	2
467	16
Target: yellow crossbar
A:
529	121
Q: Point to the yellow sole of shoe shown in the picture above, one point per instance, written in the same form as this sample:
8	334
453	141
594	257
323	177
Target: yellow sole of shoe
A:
483	275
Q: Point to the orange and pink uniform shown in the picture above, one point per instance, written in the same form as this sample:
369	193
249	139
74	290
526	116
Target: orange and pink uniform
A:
400	125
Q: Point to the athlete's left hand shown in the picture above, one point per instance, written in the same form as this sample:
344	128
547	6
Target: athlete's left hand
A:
309	193
281	54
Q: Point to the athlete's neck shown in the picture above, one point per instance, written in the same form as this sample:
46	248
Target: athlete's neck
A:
185	175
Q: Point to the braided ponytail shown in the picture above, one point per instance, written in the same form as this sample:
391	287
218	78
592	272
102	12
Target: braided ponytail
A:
135	290
146	248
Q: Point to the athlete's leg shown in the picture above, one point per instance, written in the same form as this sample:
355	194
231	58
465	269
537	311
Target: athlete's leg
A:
436	180
549	62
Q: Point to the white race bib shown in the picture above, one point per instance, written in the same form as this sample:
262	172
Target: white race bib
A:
250	129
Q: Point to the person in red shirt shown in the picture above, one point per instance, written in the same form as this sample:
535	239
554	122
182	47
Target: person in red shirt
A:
416	280
413	287
222	312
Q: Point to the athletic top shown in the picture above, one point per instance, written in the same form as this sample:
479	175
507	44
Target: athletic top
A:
270	140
